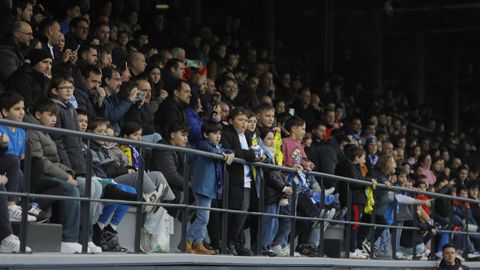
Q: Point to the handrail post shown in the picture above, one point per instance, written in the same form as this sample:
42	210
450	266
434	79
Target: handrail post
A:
395	230
86	204
293	219
414	232
432	241
466	238
372	234
26	187
261	209
186	185
226	184
139	210
348	226
321	246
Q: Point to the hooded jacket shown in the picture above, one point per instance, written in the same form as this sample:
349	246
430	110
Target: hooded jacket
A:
11	58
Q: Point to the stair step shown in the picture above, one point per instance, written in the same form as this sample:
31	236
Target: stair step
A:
41	237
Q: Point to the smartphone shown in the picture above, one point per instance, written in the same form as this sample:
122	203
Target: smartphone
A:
192	63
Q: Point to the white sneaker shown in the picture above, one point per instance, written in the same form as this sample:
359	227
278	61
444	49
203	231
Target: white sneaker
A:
92	248
358	254
399	255
11	244
70	247
15	213
473	255
279	250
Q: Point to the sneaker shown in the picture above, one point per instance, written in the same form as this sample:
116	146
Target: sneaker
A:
316	223
473	255
201	249
40	215
366	246
11	244
243	251
358	254
70	247
460	257
92	248
269	253
15	213
399	256
280	251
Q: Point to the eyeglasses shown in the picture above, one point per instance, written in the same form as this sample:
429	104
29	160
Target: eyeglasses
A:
66	88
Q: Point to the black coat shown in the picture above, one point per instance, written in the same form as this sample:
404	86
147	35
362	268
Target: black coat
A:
275	182
346	168
86	102
230	141
30	84
141	115
169	111
325	156
172	165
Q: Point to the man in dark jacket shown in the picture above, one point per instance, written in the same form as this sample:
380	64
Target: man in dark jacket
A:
449	260
32	80
13	49
49	35
79	28
90	99
172	109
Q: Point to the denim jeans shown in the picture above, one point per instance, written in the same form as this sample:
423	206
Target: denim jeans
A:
284	226
399	235
69	211
269	226
196	232
115	211
96	193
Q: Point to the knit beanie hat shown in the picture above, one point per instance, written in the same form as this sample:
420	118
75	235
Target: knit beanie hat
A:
36	56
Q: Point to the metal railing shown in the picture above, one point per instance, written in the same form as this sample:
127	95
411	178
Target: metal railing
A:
185	206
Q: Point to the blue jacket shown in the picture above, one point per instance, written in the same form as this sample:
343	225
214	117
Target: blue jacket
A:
202	170
115	109
194	125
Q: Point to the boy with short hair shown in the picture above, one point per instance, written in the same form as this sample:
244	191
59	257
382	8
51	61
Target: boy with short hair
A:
207	184
70	148
12	108
241	177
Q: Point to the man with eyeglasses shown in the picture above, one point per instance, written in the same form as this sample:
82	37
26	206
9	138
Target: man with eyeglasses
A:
32	80
13	49
79	29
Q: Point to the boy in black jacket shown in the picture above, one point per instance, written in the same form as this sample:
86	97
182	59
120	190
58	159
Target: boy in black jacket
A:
240	177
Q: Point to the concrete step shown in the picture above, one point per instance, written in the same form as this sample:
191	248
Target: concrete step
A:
41	237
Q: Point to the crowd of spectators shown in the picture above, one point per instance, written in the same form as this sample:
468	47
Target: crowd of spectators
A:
103	70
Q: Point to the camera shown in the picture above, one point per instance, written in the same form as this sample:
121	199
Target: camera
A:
140	96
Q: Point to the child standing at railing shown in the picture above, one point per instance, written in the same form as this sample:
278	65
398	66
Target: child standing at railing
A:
207	184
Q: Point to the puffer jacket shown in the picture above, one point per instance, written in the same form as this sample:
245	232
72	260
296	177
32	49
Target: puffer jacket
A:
43	147
70	149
